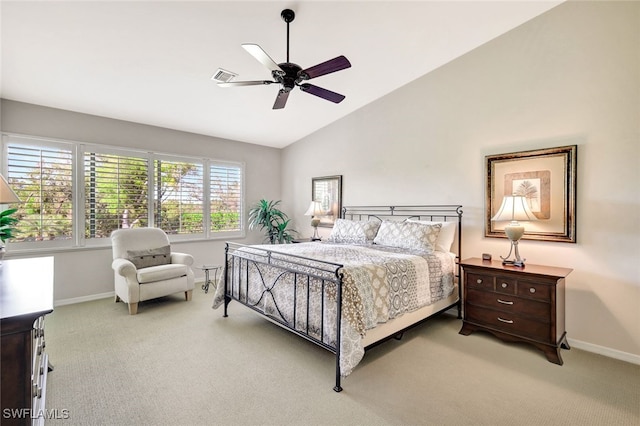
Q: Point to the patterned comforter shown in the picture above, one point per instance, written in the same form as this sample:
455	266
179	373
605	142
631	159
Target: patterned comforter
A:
379	283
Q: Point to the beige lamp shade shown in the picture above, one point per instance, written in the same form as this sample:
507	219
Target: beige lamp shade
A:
7	196
514	208
315	209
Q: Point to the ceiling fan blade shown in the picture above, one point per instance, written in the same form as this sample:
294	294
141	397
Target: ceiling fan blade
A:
281	99
262	57
245	83
332	65
322	93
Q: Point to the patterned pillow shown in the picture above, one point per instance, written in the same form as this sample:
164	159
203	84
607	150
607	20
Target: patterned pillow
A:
354	231
446	236
410	235
150	257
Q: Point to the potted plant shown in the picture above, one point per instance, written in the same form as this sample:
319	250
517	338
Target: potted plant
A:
6	227
267	217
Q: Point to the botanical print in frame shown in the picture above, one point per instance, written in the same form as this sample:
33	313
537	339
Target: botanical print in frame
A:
328	192
547	178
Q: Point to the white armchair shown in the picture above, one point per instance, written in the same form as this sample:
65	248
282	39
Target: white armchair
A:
145	268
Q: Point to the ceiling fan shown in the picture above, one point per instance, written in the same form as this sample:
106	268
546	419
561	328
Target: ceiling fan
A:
290	75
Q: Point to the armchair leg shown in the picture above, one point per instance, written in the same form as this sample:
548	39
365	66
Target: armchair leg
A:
133	308
187	295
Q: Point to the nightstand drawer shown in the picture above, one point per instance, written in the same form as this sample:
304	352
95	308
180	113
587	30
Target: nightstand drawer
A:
509	323
480	281
534	291
510	304
506	285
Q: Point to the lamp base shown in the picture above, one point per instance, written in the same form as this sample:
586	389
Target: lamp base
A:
518	261
315	237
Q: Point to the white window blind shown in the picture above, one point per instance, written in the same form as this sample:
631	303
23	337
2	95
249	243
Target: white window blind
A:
178	197
116	189
226	197
42	178
76	194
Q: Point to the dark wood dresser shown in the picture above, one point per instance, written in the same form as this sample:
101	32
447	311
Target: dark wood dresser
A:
26	296
518	304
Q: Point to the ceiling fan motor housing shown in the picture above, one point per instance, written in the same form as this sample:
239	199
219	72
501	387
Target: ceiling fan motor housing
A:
290	76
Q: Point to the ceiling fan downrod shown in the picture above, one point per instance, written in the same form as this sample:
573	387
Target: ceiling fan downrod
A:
288	16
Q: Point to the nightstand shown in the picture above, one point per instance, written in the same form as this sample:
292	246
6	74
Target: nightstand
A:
516	304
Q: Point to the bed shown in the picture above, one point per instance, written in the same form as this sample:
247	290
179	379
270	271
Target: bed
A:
383	268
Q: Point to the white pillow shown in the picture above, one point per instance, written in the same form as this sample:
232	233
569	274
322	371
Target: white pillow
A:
410	235
354	231
446	236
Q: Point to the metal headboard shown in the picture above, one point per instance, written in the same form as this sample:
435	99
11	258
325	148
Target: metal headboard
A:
434	213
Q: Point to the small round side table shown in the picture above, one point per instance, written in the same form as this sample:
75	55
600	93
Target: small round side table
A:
207	278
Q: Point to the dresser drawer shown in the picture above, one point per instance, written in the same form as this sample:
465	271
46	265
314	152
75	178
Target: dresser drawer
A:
510	304
509	323
479	281
534	290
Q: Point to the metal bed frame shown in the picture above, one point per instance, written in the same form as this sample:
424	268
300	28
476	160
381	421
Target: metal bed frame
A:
243	260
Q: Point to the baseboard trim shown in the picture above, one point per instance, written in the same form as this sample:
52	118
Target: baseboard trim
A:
74	300
602	350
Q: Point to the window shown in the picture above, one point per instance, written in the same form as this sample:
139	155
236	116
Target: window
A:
116	193
42	177
178	197
76	195
226	197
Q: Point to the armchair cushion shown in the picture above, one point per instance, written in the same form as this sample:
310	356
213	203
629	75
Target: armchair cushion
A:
150	257
161	273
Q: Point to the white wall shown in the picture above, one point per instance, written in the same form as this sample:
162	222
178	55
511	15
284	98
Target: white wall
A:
86	273
570	76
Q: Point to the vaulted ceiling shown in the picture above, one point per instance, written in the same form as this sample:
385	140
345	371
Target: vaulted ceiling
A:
152	62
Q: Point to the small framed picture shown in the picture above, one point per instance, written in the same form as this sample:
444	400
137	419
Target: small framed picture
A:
328	192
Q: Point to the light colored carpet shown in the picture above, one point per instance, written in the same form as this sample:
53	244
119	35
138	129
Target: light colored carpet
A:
182	363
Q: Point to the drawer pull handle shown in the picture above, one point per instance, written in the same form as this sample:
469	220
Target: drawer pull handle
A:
479	281
504	285
504	320
532	290
505	302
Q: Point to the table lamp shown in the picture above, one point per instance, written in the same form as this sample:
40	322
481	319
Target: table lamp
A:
7	196
314	210
513	209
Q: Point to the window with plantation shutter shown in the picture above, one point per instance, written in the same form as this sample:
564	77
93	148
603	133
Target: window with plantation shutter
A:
116	193
178	197
226	197
75	194
42	178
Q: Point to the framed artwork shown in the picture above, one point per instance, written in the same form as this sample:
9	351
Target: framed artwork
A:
547	178
328	192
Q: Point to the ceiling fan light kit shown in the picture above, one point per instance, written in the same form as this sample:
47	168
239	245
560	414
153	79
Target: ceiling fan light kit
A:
289	75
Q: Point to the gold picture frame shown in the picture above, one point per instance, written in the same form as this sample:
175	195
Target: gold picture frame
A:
327	191
547	177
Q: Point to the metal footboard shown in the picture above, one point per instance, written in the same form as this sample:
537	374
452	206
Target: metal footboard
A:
292	291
